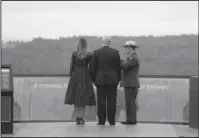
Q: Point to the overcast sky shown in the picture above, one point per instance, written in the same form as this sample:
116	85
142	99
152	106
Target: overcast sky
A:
52	19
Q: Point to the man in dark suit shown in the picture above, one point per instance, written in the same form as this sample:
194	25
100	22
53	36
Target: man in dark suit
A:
106	74
130	81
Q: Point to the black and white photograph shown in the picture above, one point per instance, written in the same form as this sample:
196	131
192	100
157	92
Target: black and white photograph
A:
99	68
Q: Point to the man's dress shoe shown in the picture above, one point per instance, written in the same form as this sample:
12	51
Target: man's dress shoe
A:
112	123
101	123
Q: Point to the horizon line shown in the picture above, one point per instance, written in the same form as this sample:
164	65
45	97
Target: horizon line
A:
87	35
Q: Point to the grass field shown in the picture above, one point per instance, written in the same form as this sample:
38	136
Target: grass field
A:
42	98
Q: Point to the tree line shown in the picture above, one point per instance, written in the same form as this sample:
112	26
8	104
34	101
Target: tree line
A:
163	55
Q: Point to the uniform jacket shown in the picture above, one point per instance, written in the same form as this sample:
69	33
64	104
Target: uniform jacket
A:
130	71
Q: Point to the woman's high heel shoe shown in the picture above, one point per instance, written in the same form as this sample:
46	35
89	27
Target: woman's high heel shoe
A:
81	122
77	121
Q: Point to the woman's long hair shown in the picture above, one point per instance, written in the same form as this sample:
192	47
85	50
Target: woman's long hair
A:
82	51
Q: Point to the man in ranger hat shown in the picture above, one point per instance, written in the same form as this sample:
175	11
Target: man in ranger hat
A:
130	81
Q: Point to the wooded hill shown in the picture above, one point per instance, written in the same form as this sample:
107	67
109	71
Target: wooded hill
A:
165	55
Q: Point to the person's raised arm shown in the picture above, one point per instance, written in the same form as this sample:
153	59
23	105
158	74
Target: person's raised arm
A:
130	62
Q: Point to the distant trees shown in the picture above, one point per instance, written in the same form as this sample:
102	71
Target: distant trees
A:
166	55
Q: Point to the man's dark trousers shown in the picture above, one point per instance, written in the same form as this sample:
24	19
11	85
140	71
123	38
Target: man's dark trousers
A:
106	97
131	107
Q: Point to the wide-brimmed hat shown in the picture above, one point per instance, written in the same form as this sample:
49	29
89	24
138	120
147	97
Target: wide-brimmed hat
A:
131	43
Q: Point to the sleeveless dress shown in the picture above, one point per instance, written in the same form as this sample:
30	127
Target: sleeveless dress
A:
80	90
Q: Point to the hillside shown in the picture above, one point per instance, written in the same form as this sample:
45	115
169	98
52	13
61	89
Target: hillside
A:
166	55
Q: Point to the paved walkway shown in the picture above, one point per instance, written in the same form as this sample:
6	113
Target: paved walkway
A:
92	130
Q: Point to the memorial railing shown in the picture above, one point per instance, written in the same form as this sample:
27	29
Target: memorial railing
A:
40	98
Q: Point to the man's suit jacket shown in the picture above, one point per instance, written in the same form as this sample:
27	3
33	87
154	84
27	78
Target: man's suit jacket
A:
130	71
105	66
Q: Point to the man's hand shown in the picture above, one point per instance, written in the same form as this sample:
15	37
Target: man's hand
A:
125	61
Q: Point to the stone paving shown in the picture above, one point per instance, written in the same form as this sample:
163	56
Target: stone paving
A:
90	129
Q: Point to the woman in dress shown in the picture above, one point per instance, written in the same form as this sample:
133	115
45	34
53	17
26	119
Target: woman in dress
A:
80	91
